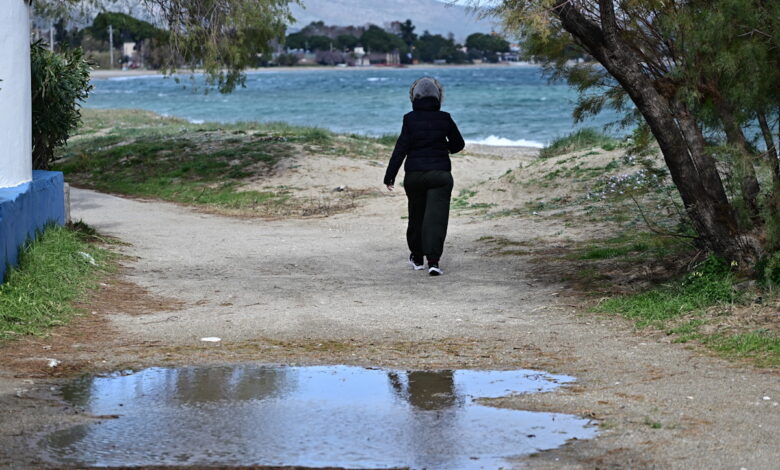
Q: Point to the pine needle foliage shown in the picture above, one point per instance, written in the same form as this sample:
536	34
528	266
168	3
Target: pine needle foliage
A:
701	76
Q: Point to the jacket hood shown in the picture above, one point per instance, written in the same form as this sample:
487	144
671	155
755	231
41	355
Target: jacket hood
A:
426	87
428	103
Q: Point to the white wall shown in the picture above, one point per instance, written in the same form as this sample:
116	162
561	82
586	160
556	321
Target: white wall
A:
15	100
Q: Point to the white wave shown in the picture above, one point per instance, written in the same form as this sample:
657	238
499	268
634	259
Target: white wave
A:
376	79
132	77
504	142
196	121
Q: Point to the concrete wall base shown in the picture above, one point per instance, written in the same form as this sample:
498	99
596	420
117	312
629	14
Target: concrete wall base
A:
24	212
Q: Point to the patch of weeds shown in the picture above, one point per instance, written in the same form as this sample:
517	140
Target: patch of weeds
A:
461	201
506	213
514	253
769	271
652	424
607	252
289	132
762	346
501	246
589	276
582	139
555	174
55	271
534	207
646	245
688	331
387	139
712	282
610	146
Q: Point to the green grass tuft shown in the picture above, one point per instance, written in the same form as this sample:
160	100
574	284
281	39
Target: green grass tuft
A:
763	346
54	272
607	252
632	244
583	139
461	201
712	282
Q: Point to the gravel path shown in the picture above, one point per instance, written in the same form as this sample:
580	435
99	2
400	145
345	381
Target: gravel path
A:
344	280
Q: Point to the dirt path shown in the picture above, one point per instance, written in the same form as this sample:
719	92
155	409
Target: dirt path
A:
338	290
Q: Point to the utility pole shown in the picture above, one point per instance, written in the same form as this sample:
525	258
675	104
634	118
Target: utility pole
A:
51	37
111	44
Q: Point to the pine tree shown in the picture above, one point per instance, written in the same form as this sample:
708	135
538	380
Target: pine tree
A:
687	66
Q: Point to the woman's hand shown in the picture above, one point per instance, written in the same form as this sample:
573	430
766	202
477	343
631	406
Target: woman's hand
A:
389	187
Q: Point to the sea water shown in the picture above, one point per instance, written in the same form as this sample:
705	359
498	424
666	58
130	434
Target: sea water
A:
492	105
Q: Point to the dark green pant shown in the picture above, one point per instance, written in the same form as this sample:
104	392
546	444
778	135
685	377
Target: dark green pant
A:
429	211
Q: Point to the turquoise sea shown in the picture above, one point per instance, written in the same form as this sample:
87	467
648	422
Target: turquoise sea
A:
495	105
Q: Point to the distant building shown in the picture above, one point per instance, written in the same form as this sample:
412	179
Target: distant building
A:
361	58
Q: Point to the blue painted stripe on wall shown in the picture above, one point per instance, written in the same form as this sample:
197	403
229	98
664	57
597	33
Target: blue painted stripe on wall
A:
25	210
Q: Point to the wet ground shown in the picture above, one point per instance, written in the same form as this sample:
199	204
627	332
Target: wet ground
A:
320	416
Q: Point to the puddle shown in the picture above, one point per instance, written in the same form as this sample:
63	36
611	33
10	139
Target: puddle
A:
336	416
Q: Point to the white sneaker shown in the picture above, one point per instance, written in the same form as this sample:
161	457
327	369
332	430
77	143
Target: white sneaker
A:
434	270
415	266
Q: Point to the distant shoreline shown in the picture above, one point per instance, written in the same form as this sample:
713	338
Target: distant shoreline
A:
116	73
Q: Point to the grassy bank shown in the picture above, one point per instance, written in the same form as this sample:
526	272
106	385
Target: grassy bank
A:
709	305
644	264
55	272
139	153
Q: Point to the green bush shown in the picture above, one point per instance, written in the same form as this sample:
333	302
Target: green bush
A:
59	82
771	272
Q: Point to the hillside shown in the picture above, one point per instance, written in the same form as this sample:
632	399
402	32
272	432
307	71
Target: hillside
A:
431	15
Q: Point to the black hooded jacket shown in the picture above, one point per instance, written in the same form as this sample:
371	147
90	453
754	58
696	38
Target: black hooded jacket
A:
427	139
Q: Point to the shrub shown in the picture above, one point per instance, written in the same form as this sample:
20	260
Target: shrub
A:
771	272
59	82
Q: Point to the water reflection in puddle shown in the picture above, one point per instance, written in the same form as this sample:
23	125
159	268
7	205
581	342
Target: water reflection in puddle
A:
309	416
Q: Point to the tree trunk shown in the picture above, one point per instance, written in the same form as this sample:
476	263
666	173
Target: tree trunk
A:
41	153
772	202
681	141
771	149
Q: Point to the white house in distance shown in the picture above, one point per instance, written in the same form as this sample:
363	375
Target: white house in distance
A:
28	199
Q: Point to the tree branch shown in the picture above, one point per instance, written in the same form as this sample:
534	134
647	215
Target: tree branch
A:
608	21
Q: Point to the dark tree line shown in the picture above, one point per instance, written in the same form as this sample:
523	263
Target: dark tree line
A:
401	38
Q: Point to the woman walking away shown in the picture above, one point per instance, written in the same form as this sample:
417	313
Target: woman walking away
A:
427	139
